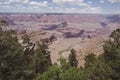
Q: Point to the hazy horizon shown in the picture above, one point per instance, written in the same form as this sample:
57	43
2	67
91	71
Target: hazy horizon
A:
61	13
61	6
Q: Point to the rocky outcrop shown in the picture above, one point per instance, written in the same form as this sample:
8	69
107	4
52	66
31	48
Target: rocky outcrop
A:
49	40
62	25
29	48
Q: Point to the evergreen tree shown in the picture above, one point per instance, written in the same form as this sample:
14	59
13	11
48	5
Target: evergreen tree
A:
111	55
96	68
107	65
11	57
89	60
42	58
56	72
26	38
72	59
115	36
73	73
64	64
53	73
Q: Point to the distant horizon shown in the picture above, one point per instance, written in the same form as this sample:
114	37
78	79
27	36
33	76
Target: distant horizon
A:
62	13
61	6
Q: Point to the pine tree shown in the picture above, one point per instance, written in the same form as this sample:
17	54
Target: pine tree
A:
26	38
72	59
89	60
11	57
42	58
107	65
111	54
56	72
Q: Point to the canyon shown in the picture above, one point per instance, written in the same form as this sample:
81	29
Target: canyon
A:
85	33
